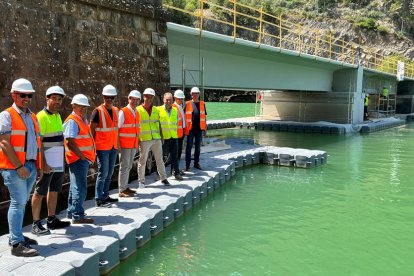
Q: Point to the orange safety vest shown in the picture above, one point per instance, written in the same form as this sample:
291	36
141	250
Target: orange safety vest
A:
129	131
189	116
18	140
106	133
180	131
84	141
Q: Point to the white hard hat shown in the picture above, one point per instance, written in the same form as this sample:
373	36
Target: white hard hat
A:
109	90
80	99
135	94
55	90
22	85
179	94
195	90
149	91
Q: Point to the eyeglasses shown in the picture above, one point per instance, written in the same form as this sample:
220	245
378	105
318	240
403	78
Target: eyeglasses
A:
109	97
25	96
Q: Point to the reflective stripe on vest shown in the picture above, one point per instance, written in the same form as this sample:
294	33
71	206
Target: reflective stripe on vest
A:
150	129
18	140
129	131
168	123
106	133
189	116
180	130
84	141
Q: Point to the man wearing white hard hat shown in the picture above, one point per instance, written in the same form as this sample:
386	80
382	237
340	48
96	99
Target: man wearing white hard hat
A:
51	131
104	127
150	138
79	154
128	124
196	123
20	161
179	105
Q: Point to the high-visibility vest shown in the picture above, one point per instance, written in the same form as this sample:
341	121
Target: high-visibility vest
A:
129	131
150	128
18	138
180	130
168	123
106	133
189	116
385	92
366	102
84	141
51	129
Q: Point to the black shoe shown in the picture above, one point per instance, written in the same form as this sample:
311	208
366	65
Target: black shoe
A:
39	230
178	177
28	241
100	203
198	167
56	223
110	199
187	169
23	250
182	173
166	183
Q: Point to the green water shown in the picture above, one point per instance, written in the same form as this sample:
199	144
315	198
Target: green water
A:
224	110
352	216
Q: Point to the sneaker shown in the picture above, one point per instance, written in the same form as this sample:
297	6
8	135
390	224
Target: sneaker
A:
22	250
39	230
100	203
141	185
198	167
187	169
178	176
165	182
182	173
110	199
129	191
82	220
124	194
56	223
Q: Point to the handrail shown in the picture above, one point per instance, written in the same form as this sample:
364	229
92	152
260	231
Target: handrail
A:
288	35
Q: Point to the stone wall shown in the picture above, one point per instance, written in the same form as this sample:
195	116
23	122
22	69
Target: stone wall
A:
82	45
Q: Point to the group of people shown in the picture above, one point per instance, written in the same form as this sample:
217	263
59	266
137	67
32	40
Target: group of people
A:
32	149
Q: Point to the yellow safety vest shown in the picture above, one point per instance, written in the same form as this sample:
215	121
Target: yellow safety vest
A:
169	124
150	128
366	103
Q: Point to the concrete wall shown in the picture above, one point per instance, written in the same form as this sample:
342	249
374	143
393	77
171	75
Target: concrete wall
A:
82	45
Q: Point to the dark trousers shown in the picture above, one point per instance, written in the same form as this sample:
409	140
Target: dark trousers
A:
180	147
197	136
170	147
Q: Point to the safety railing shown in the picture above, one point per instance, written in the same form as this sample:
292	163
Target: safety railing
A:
242	21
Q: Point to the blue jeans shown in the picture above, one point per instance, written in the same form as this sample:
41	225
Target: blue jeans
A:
170	147
78	172
197	136
19	190
106	163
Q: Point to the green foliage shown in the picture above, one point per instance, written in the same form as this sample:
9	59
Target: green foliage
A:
399	35
383	30
366	23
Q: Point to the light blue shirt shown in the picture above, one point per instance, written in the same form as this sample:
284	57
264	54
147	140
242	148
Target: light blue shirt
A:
6	128
71	128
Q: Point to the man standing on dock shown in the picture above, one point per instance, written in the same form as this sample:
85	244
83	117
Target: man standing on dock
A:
50	185
178	104
79	153
169	124
196	123
150	138
104	128
128	124
20	161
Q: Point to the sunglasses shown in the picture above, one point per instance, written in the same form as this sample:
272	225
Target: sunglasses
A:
109	97
25	96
